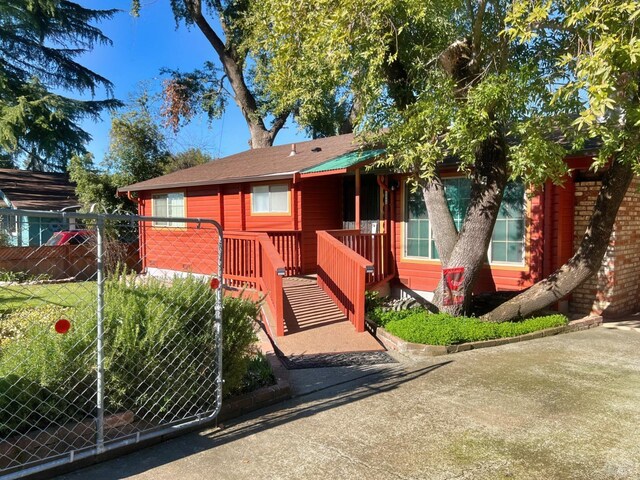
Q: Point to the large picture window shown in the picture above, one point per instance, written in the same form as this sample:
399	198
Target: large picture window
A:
169	205
507	240
270	198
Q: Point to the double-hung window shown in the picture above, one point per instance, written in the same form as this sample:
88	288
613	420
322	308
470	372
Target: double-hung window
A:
169	205
507	240
270	198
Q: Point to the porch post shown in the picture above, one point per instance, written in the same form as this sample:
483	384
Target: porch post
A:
357	227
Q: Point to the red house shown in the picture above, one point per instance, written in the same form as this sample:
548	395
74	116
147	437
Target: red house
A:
313	208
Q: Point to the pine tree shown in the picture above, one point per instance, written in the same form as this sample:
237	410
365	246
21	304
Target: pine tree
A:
40	41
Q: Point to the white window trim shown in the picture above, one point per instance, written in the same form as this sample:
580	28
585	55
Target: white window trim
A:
271	212
168	224
405	237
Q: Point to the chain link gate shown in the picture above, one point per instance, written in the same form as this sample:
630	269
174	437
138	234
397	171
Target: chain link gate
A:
110	333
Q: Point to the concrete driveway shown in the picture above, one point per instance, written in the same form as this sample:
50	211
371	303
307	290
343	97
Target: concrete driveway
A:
565	407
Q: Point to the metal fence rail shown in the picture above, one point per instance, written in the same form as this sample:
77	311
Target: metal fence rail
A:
110	338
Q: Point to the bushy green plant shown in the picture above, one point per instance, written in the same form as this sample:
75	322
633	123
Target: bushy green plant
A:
382	316
159	344
259	374
372	300
420	326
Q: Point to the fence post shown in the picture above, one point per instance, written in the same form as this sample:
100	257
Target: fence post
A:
100	338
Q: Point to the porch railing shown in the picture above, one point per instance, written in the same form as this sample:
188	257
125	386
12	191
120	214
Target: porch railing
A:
342	275
251	260
287	243
372	246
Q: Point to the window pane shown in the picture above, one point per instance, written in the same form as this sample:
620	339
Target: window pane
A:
434	251
500	230
279	198
424	248
424	229
514	252
416	207
175	207
413	229
412	248
160	205
260	198
513	201
499	252
516	230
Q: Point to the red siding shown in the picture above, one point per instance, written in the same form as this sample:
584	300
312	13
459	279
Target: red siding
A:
322	207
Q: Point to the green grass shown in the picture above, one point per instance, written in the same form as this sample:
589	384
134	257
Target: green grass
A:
421	326
18	297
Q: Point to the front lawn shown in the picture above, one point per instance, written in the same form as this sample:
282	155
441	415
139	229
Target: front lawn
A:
421	326
72	294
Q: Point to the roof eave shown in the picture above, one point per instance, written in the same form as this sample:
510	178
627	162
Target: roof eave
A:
201	183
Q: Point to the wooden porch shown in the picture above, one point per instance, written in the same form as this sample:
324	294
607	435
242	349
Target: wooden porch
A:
321	313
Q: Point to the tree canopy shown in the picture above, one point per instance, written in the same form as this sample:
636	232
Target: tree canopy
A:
40	41
495	83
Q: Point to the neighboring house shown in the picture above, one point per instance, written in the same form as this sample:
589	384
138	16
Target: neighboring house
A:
25	190
291	193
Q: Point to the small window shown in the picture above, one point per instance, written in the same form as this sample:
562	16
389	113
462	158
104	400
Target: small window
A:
270	198
170	205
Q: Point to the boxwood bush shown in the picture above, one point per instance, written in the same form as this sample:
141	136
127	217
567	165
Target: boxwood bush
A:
421	326
159	353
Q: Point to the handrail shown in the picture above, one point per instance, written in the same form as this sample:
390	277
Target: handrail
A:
372	246
341	274
273	269
252	260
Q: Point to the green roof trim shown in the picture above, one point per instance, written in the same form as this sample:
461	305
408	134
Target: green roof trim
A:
344	161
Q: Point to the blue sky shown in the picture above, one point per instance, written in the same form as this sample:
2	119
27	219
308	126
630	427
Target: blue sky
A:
141	47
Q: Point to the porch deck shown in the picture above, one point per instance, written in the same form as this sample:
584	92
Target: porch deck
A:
313	323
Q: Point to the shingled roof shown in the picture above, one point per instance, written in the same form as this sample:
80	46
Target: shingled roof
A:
251	165
36	190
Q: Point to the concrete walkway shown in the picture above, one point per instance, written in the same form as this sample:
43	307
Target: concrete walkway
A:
564	407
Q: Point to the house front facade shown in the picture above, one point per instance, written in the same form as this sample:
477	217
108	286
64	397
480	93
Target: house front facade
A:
292	193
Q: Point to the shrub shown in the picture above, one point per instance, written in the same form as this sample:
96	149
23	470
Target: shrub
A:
21	277
259	374
420	326
159	344
372	300
382	317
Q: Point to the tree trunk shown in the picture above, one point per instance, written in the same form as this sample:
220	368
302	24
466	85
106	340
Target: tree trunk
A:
260	135
445	234
587	259
470	250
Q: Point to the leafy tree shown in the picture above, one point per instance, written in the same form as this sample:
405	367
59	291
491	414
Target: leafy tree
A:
209	89
187	159
443	79
447	78
602	65
186	94
137	152
39	43
96	189
137	149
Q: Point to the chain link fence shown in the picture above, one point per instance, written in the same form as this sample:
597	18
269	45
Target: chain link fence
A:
109	334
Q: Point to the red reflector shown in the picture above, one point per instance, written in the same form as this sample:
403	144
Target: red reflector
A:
215	283
62	326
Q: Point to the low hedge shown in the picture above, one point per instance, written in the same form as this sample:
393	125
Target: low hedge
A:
421	326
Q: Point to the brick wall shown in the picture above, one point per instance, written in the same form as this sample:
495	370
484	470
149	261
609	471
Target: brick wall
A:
614	290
